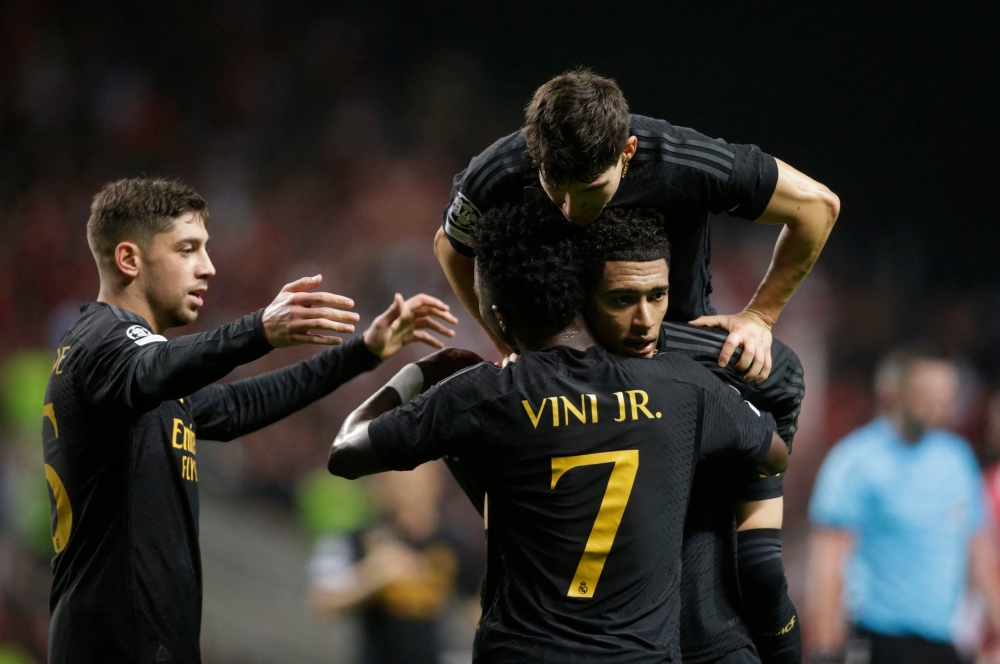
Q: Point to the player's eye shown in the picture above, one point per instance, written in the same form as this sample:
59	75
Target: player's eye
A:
656	297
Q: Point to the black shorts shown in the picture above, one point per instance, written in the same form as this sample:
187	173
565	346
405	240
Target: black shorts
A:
875	648
746	655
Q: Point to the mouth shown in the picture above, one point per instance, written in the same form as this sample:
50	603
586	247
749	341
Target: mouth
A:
197	294
639	346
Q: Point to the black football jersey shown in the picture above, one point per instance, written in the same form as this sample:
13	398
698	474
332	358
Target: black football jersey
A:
676	172
587	458
124	410
711	625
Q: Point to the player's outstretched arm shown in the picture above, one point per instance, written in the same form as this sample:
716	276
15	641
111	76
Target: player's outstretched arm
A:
224	412
808	210
460	271
353	455
146	373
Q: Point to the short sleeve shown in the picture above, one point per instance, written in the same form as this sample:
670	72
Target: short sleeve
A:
109	366
732	425
423	430
712	174
838	499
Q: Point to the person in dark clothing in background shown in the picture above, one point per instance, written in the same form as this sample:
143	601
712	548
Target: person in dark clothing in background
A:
124	408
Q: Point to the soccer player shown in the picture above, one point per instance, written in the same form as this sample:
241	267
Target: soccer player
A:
581	148
587	456
627	283
723	595
124	408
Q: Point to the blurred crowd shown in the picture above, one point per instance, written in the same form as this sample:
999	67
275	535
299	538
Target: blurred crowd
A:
322	148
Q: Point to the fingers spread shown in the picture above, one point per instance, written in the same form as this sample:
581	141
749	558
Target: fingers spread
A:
316	339
711	321
756	367
303	326
749	353
427	338
308	313
322	300
430	323
422	299
303	284
728	349
430	310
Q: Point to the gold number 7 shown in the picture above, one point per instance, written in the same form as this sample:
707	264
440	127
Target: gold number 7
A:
609	517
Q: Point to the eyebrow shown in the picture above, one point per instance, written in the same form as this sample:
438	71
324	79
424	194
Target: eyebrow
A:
637	290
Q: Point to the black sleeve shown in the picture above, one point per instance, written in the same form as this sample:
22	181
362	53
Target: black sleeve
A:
767	610
132	367
712	174
224	412
750	486
492	178
422	430
732	425
781	394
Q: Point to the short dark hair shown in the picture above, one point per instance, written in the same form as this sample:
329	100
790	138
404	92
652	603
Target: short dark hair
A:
622	235
576	126
137	209
529	260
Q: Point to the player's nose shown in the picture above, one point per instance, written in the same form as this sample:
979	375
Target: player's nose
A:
205	268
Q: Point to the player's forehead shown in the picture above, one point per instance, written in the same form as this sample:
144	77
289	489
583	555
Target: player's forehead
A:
635	275
188	225
574	187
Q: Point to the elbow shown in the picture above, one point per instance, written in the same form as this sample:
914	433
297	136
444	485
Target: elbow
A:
829	203
442	246
339	463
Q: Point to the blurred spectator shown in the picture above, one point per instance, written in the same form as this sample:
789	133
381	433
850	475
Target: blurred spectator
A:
899	519
399	574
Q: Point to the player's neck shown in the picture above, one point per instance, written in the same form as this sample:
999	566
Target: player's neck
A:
576	336
131	299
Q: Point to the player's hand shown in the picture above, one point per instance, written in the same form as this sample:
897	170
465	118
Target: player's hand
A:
407	321
300	316
750	330
512	358
438	366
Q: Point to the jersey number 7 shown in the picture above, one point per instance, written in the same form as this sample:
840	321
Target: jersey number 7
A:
609	517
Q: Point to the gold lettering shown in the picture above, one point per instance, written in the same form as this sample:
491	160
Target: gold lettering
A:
178	429
639	405
555	410
49	411
578	414
531	414
60	356
593	407
64	510
621	406
189	469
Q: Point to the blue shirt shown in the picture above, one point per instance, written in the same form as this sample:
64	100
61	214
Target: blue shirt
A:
913	508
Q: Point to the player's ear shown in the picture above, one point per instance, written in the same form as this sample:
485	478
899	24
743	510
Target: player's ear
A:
501	320
128	259
631	145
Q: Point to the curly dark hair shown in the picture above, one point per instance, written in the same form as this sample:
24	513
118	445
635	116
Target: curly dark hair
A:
576	126
622	235
529	260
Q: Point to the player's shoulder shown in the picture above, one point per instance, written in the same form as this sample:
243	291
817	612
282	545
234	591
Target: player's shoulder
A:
473	385
506	158
683	369
680	148
953	444
105	325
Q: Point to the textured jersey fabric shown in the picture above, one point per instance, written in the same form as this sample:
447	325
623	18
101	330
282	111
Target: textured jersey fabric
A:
580	451
676	172
913	507
123	412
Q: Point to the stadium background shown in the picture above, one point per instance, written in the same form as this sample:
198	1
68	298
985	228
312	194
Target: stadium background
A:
325	137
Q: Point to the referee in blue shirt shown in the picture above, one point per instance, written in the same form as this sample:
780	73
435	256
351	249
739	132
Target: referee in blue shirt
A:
898	512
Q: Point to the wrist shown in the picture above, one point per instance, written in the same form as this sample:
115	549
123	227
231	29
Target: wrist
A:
766	316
